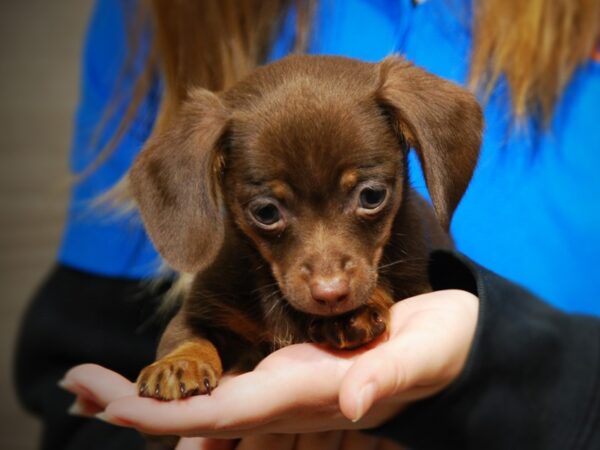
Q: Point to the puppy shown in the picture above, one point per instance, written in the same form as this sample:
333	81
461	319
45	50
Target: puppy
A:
288	197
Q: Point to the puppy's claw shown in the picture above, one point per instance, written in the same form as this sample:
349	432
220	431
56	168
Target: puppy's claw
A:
376	317
177	378
351	330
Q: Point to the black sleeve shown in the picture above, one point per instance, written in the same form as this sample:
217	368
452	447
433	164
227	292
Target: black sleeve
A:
74	318
532	379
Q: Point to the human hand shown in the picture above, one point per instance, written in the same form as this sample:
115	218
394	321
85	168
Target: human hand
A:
306	388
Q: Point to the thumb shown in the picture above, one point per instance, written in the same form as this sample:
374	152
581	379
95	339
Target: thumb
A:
427	350
377	374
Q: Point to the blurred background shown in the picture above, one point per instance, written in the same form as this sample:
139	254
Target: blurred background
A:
40	46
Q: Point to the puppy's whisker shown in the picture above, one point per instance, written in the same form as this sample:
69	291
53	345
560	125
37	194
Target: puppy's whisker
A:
400	261
271	295
273	302
263	288
276	300
276	303
283	334
399	247
385	266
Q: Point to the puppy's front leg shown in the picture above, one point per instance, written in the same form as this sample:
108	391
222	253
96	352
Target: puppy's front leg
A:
187	365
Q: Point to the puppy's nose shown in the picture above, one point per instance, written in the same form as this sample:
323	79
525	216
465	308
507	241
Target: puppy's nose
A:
329	289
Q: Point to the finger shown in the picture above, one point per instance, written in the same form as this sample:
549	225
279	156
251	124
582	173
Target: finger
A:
315	422
96	384
328	440
247	401
355	440
379	373
205	444
190	444
84	407
267	442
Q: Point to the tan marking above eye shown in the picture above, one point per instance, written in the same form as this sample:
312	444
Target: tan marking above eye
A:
349	179
280	190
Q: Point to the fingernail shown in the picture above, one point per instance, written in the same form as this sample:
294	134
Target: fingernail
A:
75	409
364	400
65	384
104	417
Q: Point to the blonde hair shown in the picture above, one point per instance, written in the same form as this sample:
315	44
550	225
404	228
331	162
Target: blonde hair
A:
536	45
215	43
196	43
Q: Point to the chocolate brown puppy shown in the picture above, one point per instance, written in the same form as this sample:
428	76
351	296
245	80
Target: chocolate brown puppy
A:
288	197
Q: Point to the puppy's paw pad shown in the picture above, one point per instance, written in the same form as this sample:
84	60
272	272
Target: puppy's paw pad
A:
175	378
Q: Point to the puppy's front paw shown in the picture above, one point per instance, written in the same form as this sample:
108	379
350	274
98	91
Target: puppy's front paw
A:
351	330
177	377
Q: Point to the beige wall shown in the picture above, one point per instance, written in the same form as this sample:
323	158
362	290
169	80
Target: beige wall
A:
40	45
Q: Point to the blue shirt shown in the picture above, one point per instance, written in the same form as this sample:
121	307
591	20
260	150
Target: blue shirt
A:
531	212
93	240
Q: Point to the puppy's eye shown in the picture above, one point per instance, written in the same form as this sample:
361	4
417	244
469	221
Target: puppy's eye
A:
371	198
266	215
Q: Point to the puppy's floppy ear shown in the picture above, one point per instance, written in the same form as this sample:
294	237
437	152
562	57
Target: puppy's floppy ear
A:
441	121
175	180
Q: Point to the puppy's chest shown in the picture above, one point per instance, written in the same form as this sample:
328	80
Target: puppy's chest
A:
252	306
245	320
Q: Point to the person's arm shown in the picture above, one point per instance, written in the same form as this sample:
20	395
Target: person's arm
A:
532	379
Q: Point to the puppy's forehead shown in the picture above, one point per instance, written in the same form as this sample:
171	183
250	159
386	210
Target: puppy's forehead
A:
313	138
